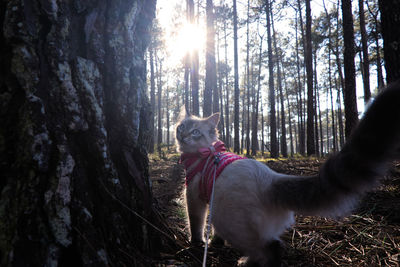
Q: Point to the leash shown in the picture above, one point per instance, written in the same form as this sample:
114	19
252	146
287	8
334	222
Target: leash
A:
216	162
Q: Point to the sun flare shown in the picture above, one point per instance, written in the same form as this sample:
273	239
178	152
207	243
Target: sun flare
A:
189	38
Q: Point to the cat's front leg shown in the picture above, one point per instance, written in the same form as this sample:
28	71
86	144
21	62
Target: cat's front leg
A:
196	208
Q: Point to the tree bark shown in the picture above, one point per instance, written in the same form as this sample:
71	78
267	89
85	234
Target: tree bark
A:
152	100
194	80
159	114
301	134
271	97
227	114
167	111
221	125
236	145
74	128
254	137
211	72
340	119
283	142
317	111
364	46
390	21
186	81
192	67
248	79
310	90
376	35
330	50
350	99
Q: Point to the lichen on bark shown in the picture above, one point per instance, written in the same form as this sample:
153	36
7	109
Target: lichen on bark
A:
73	133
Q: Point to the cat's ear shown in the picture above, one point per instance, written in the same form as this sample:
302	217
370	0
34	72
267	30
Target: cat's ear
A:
214	119
183	114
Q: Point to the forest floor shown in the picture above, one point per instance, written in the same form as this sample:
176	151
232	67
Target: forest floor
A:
368	237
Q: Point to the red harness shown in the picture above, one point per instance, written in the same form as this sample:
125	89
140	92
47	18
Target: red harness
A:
203	162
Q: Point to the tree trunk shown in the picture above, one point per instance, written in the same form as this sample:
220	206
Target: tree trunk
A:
328	150
381	82
188	57
390	21
236	145
159	114
376	35
364	46
310	90
316	95
248	79
227	115
74	126
152	100
254	137
334	135
350	99
321	135
302	103
272	116
211	72
186	80
301	135
283	142
328	17
167	111
289	112
262	129
337	55
194	80
340	119
194	65
243	122
221	125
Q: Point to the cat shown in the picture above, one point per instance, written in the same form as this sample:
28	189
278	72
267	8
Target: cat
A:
253	205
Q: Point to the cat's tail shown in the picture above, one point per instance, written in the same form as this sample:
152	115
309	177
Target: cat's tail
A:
365	157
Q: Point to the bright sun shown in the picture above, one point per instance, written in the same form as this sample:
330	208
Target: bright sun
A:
189	38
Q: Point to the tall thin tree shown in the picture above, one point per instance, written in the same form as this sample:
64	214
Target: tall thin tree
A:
211	74
227	114
364	47
272	116
194	63
310	90
283	142
248	78
301	131
152	99
376	35
350	99
236	144
159	114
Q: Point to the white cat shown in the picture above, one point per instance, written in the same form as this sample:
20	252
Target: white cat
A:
253	205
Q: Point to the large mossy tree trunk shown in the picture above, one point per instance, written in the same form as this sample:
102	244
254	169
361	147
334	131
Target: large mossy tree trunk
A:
73	132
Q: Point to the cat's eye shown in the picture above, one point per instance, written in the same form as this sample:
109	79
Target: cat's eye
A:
196	132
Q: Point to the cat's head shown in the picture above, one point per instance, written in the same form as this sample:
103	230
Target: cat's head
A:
193	132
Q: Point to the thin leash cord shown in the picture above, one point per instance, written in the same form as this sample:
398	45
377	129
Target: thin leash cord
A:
209	218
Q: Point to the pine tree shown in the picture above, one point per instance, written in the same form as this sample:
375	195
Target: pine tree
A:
236	144
350	100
